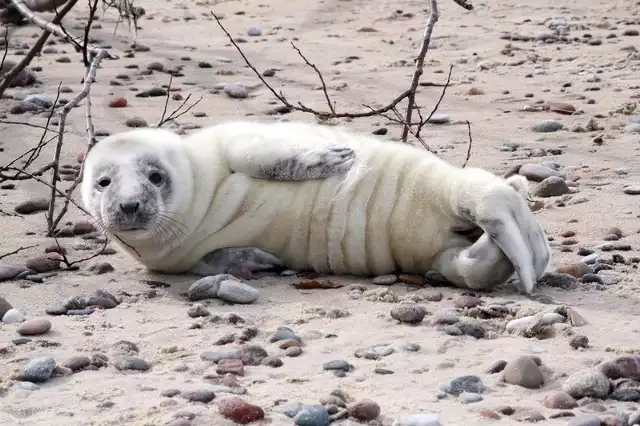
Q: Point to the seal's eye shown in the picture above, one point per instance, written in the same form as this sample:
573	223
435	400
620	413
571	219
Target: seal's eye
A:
104	182
155	178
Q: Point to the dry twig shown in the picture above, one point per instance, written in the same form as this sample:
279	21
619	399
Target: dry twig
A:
16	251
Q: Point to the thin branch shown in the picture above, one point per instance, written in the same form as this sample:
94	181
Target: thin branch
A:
324	85
38	45
434	15
466	160
70	264
435	108
177	113
16	251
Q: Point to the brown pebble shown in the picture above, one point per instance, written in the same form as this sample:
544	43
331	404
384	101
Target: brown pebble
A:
43	263
569	242
77	363
575	269
232	366
467	301
559	401
614	231
567	234
489	414
136	122
364	410
417	280
409	313
118	102
579	341
32	206
240	411
34	327
287	343
561	108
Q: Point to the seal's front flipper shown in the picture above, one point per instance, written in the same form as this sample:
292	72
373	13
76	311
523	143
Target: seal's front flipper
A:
225	260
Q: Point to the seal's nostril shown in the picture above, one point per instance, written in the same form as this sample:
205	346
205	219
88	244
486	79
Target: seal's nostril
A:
130	208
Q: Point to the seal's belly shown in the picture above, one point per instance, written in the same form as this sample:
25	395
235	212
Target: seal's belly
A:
378	219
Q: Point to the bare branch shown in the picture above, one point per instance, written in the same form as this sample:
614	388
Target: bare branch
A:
466	160
16	251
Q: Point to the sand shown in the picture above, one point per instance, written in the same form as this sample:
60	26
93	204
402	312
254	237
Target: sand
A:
509	79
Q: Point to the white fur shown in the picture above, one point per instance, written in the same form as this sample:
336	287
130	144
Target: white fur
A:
392	211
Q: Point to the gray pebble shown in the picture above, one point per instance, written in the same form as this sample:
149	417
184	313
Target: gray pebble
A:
217	356
553	186
438	118
538	172
525	372
200	395
338	364
632	128
13	316
293	351
312	415
207	287
587	382
585	420
632	190
236	91
411	347
470	397
236	292
30	386
289	410
547	126
41	100
127	362
461	384
38	370
385	279
284	333
254	31
8	271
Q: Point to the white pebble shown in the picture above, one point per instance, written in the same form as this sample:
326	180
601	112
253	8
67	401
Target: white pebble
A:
237	292
552	318
30	386
13	316
418	419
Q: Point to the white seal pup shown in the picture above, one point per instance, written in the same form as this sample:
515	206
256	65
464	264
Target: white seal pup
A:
309	197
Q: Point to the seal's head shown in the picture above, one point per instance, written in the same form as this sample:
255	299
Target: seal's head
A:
135	182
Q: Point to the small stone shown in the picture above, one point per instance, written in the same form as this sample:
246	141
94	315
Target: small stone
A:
585	420
561	108
553	186
559	401
284	333
136	122
8	271
418	419
38	370
621	367
34	327
293	351
207	287
632	128
153	92
5	306
13	316
461	384
170	393
77	362
240	411
409	313
42	264
547	126
233	366
579	341
119	102
385	279
439	118
197	310
252	354
575	269
537	172
127	362
466	301
523	371
34	205
497	367
632	190
364	410
254	31
470	397
338	364
236	91
564	281
272	361
155	66
237	292
312	415
587	382
199	395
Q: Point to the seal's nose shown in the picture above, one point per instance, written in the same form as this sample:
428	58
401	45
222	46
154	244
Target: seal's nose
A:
130	208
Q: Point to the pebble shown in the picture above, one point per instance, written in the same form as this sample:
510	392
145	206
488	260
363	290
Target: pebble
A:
632	190
34	327
240	411
579	341
461	384
234	291
38	370
524	371
119	102
364	410
553	186
338	364
417	419
233	366
293	351
312	415
197	310
8	271
236	91
199	395
31	206
254	31
207	287
538	172
439	118
385	279
252	354
575	269
564	281
77	363
409	313
585	420
13	316
470	397
587	382
621	367
547	126
29	386
153	92
127	362
284	333
559	401
467	301
632	128
136	122
272	361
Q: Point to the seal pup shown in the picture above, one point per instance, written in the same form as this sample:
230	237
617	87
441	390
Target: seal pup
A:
309	197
